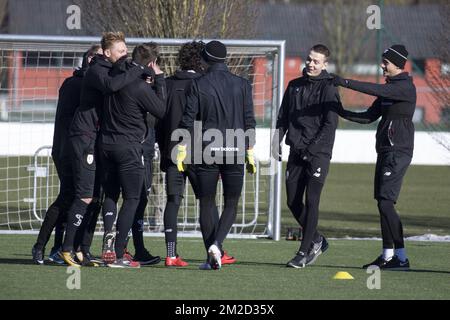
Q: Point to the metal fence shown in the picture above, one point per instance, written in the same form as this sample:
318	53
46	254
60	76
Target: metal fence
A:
32	69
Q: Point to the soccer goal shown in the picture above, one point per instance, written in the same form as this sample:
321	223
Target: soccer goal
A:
32	68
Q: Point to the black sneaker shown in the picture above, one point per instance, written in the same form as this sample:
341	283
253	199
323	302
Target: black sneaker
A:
122	263
378	262
90	261
325	245
299	261
90	257
38	255
317	248
396	264
145	258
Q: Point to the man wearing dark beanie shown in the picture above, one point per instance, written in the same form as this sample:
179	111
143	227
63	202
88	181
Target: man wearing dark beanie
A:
395	104
221	101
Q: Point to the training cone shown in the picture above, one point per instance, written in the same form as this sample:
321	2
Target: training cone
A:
342	275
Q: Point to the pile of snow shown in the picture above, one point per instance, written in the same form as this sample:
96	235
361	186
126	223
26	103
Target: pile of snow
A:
429	237
425	237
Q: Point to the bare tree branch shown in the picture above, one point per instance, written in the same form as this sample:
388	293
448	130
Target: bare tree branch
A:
345	26
439	79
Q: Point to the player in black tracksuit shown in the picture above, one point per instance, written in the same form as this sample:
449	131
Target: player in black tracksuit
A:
220	101
68	102
395	104
124	128
83	135
308	119
142	255
178	86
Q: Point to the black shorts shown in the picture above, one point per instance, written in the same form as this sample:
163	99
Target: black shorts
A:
176	180
389	172
232	176
65	175
84	164
316	169
123	166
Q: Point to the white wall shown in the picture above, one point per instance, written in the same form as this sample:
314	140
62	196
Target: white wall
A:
351	146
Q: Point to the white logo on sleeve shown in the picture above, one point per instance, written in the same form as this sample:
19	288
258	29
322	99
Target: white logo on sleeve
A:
90	158
387	173
317	174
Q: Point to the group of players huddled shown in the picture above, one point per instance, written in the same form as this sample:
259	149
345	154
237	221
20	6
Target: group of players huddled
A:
110	114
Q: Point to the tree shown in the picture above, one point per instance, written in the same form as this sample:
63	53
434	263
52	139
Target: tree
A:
196	19
439	79
345	28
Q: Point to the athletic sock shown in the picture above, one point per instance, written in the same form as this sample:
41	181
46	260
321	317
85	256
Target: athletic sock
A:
401	254
171	249
388	254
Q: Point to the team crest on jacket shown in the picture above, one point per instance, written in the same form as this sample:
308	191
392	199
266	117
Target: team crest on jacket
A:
90	158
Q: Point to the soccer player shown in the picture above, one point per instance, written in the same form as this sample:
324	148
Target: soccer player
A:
142	255
124	129
308	119
191	67
221	101
83	130
395	104
55	217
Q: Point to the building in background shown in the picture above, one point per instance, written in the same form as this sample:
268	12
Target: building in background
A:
38	75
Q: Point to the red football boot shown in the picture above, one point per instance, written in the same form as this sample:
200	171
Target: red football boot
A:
226	259
176	262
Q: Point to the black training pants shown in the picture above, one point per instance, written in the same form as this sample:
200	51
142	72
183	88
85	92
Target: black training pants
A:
304	183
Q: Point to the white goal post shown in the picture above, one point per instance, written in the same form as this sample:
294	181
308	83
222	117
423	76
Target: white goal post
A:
32	68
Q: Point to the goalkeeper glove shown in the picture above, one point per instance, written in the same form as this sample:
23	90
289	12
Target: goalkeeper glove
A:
181	156
250	161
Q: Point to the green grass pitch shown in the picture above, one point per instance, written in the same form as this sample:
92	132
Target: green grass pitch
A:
347	209
260	273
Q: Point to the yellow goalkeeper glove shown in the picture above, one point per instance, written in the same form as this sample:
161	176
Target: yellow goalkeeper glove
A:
250	161
181	156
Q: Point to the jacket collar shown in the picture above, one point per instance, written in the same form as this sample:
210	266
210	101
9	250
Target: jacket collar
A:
401	76
218	67
322	76
183	74
101	60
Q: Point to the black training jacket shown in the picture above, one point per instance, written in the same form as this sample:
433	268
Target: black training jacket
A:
178	86
220	100
68	102
307	114
395	105
125	111
96	83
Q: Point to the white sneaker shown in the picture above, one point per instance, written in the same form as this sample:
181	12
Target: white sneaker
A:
216	255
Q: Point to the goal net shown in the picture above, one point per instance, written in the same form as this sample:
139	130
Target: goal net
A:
32	68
